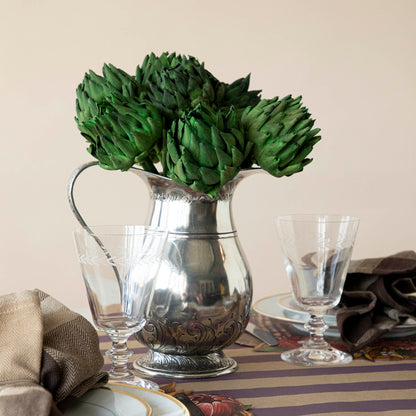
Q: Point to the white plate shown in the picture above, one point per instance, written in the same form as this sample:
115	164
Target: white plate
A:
108	402
161	404
283	307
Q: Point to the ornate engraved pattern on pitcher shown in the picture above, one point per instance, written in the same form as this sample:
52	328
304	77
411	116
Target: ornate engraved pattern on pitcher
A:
199	335
176	363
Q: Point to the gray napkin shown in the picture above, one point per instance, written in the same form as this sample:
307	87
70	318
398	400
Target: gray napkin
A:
379	294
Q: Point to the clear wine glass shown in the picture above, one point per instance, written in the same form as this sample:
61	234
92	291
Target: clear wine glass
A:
119	265
317	251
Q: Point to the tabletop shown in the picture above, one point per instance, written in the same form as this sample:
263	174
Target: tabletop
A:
381	378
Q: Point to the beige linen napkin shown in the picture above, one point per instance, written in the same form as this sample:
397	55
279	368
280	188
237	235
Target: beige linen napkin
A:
48	355
379	294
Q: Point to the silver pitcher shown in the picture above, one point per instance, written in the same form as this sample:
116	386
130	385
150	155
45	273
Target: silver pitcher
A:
203	292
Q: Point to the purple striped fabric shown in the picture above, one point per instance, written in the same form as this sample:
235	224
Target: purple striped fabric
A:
316	371
338	407
276	388
317	388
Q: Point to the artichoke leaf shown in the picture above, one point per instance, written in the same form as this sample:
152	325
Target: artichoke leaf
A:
228	174
180	172
300	157
224	159
118	161
114	76
192	170
207	155
209	176
108	146
172	150
237	157
292	169
216	139
143	140
239	137
190	141
126	146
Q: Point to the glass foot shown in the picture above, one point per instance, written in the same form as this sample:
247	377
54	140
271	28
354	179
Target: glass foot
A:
316	357
129	377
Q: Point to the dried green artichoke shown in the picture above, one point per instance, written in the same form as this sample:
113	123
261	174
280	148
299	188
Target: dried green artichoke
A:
282	134
124	135
206	149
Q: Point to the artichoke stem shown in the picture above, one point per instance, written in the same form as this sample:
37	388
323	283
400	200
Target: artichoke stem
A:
162	156
162	153
148	166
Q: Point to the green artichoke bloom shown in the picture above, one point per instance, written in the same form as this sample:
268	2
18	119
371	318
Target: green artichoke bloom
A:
124	135
238	95
95	91
121	131
175	83
206	149
282	133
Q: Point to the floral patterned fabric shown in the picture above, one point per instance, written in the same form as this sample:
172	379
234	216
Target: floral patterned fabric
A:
400	348
212	404
218	405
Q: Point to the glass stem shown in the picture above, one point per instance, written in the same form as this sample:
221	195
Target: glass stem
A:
316	328
119	355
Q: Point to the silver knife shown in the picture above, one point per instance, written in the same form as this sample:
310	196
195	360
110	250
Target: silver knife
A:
261	334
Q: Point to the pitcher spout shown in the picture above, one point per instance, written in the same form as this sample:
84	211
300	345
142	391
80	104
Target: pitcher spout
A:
180	209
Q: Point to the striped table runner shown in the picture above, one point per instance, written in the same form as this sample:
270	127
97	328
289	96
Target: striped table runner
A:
275	388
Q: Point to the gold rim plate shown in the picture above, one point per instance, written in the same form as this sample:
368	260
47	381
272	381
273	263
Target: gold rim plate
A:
162	404
108	401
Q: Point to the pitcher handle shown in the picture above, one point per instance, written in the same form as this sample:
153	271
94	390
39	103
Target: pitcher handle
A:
71	199
78	216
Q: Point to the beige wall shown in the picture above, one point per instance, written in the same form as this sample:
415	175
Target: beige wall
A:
353	61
